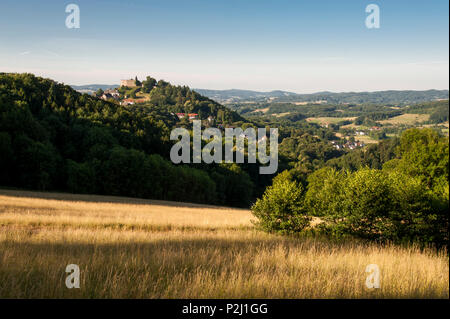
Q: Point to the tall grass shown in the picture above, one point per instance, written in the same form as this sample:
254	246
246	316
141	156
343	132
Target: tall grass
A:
129	248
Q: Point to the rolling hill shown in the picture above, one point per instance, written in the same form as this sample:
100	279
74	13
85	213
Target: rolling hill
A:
380	97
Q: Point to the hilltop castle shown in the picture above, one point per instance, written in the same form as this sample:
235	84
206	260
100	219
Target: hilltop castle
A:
129	83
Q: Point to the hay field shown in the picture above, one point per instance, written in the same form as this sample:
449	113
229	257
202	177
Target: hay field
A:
131	248
406	119
329	120
366	139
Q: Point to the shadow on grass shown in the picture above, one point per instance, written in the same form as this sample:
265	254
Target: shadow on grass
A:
103	199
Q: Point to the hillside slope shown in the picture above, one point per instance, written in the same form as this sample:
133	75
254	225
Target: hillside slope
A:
54	138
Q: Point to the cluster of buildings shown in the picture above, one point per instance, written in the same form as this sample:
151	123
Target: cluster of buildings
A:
348	145
114	93
110	94
132	101
194	116
191	116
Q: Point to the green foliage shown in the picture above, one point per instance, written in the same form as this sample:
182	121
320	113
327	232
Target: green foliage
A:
6	157
309	152
281	207
37	163
378	205
323	191
80	177
373	156
425	154
234	186
406	201
99	92
362	204
148	84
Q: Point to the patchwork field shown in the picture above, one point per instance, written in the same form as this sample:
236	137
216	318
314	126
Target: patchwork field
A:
329	120
366	139
131	248
407	119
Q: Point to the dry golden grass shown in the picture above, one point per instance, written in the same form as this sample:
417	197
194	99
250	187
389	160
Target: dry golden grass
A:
366	139
264	110
407	119
130	248
329	120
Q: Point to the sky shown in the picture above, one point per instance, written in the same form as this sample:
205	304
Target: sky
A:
297	46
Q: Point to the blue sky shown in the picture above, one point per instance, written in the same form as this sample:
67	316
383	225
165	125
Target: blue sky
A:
299	46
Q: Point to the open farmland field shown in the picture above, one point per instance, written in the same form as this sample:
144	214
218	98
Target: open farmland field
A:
329	120
366	139
131	248
407	119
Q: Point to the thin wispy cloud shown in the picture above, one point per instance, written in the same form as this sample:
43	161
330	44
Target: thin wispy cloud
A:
54	54
426	62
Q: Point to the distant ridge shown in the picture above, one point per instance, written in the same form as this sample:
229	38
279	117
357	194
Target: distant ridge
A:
239	96
89	88
242	94
385	97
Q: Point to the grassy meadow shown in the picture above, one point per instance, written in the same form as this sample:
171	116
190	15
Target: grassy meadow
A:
329	120
132	248
407	119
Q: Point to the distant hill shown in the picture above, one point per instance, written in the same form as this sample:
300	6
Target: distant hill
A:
379	97
90	88
235	95
232	96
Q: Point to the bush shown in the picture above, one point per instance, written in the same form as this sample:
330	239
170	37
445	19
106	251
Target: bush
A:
378	205
281	207
324	190
422	214
424	154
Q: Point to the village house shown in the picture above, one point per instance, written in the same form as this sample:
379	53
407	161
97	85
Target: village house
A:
191	116
106	96
110	94
114	93
348	145
127	102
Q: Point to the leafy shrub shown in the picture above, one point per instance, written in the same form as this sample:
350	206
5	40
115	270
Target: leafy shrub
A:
281	207
324	191
378	205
